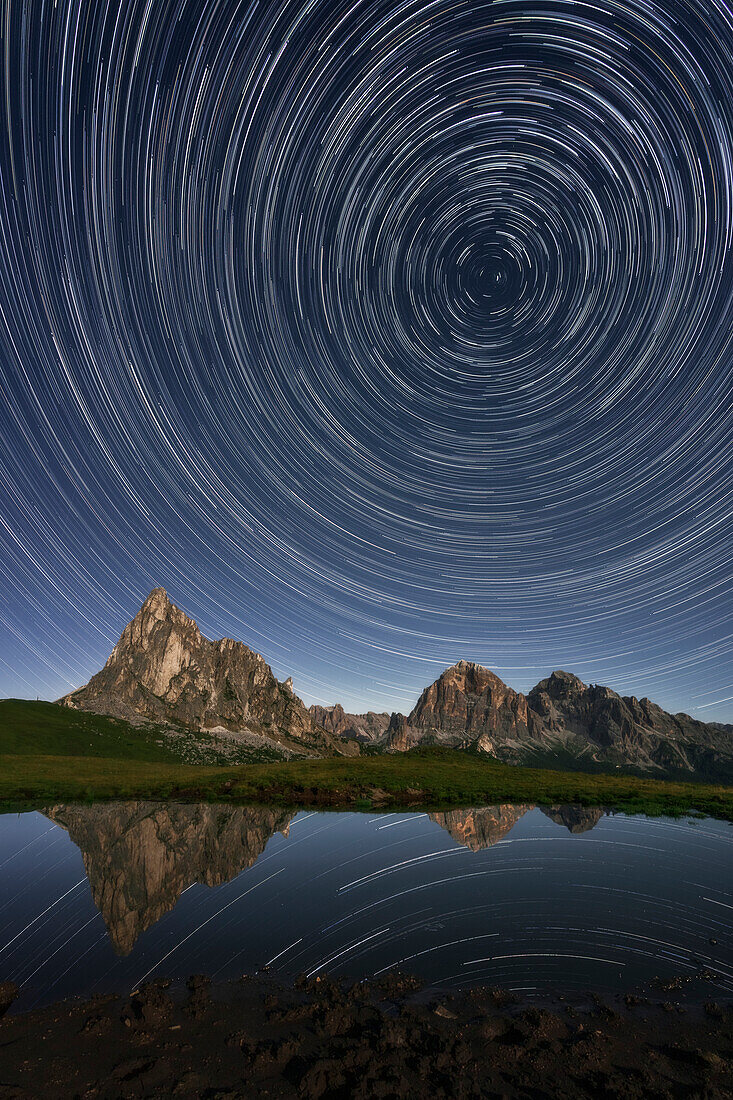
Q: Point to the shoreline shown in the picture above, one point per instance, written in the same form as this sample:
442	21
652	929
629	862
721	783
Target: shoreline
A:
390	1037
428	780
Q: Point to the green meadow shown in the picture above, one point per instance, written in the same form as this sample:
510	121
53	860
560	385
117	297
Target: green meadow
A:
49	754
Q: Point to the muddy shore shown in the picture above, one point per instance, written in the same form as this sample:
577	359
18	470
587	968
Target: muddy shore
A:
383	1038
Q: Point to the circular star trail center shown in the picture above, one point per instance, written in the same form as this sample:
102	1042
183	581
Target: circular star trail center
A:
379	333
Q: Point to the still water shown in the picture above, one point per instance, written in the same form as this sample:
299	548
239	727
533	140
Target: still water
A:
100	898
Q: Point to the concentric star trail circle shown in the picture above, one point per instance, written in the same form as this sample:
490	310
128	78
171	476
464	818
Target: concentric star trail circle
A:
408	325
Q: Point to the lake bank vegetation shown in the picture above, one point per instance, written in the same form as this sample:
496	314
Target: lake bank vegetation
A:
422	779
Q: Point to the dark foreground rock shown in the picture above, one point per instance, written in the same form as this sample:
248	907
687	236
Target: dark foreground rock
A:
377	1039
8	992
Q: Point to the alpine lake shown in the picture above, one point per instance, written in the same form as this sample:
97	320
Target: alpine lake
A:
103	897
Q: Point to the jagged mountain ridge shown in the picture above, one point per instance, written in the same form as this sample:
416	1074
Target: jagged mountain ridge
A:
468	706
164	670
369	727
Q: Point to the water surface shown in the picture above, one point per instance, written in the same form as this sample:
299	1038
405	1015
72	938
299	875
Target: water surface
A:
100	898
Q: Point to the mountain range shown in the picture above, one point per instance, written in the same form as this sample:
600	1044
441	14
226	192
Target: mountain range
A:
163	670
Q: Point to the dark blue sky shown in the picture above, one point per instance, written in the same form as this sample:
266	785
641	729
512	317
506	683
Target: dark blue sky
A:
380	334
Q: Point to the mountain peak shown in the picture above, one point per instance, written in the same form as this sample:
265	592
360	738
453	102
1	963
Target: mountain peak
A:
466	666
561	684
151	628
164	670
567	677
467	697
157	596
157	605
478	676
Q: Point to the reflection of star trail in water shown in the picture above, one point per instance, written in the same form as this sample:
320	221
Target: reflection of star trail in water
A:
625	901
380	333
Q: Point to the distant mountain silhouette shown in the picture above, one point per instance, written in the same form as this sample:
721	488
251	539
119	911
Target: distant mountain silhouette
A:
164	670
369	727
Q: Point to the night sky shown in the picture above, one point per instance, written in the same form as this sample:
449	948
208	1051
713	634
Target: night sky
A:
380	334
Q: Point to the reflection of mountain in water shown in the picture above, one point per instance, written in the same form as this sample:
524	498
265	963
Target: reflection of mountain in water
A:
140	856
578	819
480	827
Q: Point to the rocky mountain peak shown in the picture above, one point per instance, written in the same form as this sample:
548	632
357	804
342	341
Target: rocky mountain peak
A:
152	627
158	608
164	670
157	603
471	677
467	703
561	685
465	679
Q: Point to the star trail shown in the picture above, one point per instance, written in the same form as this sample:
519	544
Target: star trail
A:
380	334
629	902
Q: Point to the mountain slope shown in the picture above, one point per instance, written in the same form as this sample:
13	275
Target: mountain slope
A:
468	706
29	727
163	670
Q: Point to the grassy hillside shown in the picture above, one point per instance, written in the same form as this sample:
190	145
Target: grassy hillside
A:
30	728
427	778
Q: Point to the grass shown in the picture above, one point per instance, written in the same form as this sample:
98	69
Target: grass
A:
52	754
29	728
429	778
34	728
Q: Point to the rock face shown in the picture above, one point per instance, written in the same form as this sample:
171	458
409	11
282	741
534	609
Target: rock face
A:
140	856
468	706
163	670
625	730
367	727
